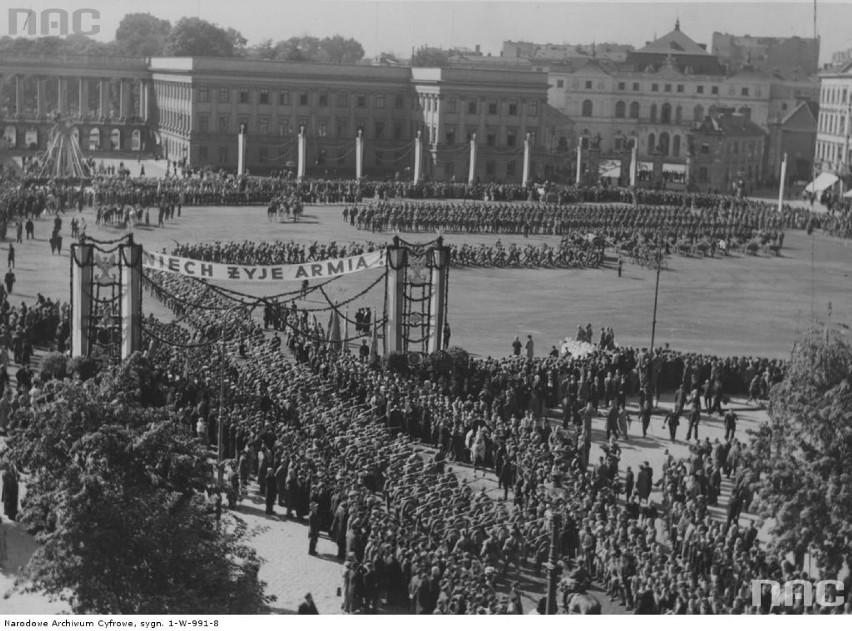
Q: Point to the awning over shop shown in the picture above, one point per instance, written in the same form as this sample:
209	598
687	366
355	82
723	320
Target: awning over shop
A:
822	182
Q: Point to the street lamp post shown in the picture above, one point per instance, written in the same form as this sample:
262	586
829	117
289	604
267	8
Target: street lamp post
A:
656	292
220	419
555	522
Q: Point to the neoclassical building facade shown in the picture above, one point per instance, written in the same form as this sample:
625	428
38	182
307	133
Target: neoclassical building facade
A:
193	108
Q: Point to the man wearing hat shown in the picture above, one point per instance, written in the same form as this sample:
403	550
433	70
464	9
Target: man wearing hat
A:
314	524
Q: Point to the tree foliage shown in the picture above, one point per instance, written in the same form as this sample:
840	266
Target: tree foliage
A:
804	453
336	49
430	58
52	45
116	498
142	34
194	37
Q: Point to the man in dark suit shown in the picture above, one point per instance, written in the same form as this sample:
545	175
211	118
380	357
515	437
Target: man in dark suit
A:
308	607
314	525
644	482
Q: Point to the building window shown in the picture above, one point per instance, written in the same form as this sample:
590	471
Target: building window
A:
224	95
323	99
450	136
636	87
680	88
533	134
304	98
340	99
666	114
380	101
698	114
714	89
654	113
492	106
705	148
655	87
361	100
263	124
678	114
620	109
203	95
652	143
491	137
202	154
244	95
284	97
668	87
588	85
560	83
398	102
744	92
452	105
379	129
223	155
283	126
203	123
263	97
513	108
224	124
664	144
511	137
510	169
587	109
699	89
532	107
342	128
397	130
634	109
622	85
471	106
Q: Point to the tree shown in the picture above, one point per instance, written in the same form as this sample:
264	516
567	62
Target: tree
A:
340	50
116	498
142	34
194	37
803	455
430	58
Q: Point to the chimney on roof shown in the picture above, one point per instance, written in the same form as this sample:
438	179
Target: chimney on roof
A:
677	24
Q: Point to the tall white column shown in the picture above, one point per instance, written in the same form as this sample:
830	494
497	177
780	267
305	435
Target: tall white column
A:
40	94
241	150
62	95
19	95
579	163
300	168
471	176
634	167
84	97
418	156
123	99
781	184
359	155
526	179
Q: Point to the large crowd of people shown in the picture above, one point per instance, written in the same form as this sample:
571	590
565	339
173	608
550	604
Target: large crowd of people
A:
330	439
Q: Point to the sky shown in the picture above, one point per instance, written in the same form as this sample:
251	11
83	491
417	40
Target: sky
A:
398	25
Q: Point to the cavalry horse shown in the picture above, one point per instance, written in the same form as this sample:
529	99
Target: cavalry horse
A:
478	449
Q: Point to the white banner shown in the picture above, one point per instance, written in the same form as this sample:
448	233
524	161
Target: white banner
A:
263	273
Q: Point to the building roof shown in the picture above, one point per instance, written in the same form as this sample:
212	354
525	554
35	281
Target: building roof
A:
674	42
800	118
729	125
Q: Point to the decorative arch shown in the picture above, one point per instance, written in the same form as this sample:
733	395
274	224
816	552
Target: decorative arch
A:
666	114
136	140
652	143
698	114
620	109
587	109
654	113
676	146
115	139
10	136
